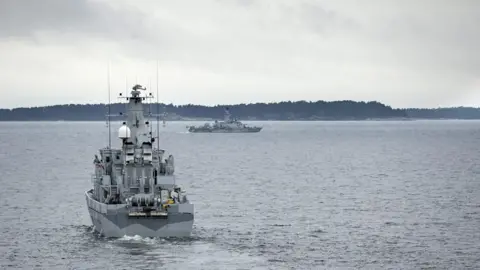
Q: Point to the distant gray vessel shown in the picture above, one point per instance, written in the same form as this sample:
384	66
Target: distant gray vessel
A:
228	125
134	190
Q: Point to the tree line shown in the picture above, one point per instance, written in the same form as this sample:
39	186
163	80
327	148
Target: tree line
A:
288	110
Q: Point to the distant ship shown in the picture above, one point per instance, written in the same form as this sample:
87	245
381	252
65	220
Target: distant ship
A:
228	125
134	190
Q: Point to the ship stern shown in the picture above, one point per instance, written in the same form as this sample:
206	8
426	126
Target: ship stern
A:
117	221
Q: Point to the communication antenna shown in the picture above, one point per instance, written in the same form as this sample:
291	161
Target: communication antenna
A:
150	107
108	117
158	115
126	93
164	115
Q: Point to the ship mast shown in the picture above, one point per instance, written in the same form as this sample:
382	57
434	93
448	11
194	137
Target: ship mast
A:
150	110
109	111
164	115
158	114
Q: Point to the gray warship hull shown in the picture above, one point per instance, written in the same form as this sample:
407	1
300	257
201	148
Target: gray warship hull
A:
113	220
224	130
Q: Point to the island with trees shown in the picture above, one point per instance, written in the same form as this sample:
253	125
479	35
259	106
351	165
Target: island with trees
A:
281	111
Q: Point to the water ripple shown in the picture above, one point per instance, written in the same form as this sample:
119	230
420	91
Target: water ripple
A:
312	195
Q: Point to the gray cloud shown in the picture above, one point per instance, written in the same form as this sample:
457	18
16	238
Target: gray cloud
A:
23	18
404	53
26	17
84	18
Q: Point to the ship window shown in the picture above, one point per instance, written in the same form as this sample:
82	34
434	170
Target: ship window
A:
107	159
118	157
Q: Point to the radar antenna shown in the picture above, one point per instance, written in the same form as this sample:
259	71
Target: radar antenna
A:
138	87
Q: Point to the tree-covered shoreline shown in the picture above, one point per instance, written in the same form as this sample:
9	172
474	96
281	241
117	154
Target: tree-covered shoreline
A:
281	111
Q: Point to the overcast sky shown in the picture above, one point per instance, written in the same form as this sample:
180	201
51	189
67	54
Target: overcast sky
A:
423	53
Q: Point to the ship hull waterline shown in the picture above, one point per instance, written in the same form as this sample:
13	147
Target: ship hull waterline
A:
115	223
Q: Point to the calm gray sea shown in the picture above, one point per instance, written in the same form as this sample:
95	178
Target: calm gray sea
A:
298	195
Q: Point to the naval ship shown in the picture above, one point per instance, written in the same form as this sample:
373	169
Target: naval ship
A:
134	189
228	125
